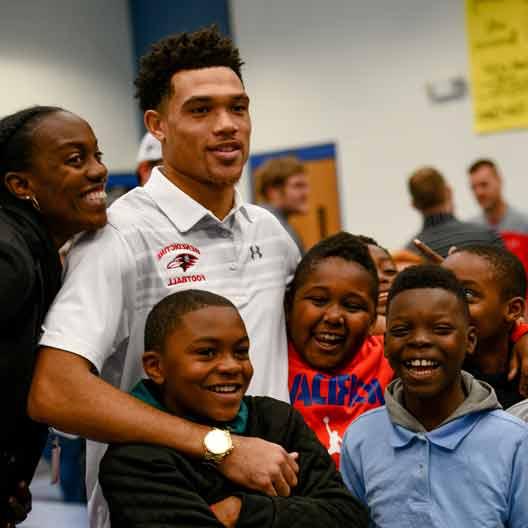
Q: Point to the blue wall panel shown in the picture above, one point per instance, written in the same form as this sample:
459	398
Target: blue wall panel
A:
155	19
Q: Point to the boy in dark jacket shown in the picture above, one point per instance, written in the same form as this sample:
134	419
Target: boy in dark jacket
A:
198	364
494	282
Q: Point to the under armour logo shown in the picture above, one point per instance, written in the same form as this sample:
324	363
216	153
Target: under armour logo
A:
255	252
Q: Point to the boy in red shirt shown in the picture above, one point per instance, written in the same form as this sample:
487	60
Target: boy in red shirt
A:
337	370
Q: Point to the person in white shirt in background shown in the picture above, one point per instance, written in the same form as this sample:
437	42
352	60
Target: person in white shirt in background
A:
149	156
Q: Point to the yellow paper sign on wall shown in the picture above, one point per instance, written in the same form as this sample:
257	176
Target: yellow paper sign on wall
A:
498	52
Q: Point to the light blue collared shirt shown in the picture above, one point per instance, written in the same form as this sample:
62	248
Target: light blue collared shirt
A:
471	472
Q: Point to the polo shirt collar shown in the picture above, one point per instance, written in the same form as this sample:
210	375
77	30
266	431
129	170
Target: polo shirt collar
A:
447	436
480	398
147	391
180	208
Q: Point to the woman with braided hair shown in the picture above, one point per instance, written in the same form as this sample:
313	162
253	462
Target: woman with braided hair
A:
51	187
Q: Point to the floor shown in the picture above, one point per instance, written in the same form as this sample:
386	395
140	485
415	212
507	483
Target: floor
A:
49	514
48	509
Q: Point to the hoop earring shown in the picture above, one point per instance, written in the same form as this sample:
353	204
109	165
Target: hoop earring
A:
34	202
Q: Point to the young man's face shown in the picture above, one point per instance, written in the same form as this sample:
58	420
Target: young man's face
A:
206	126
486	308
486	186
331	313
426	341
206	364
295	194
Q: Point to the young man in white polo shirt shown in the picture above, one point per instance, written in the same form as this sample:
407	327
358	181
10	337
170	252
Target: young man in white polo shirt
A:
187	228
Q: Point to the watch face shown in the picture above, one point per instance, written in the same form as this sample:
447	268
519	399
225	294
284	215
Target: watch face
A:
217	441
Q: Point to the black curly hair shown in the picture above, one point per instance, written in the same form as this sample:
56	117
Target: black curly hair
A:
167	314
426	276
16	138
204	48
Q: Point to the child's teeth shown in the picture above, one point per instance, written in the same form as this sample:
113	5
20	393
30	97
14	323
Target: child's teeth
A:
329	337
224	388
421	363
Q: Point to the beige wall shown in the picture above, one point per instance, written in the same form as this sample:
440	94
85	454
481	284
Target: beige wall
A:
354	72
76	54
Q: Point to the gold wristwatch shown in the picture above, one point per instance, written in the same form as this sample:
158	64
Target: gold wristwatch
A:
217	445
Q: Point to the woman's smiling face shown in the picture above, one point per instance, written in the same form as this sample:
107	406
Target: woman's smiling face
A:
67	175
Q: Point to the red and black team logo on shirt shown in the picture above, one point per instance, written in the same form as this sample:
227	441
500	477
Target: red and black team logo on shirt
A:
177	259
183	261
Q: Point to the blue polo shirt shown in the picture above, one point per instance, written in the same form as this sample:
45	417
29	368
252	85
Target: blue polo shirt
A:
470	472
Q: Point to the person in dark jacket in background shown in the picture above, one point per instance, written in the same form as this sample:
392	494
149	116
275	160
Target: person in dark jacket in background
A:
432	198
197	360
51	187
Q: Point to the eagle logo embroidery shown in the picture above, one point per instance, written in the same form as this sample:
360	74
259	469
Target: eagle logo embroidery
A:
183	261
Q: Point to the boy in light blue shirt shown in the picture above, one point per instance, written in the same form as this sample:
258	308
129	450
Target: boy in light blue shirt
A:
441	453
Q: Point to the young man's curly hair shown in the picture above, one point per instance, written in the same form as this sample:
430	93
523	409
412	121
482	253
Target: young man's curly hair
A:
204	48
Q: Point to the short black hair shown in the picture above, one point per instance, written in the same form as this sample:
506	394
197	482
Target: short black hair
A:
369	241
205	48
167	314
428	276
16	139
507	269
342	245
483	162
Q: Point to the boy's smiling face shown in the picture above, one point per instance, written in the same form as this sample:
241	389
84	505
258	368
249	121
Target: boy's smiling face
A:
332	313
426	341
204	368
486	308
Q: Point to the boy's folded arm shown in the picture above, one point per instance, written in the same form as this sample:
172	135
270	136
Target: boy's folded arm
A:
327	510
145	485
320	498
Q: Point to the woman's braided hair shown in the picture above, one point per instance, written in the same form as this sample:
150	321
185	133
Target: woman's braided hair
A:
16	141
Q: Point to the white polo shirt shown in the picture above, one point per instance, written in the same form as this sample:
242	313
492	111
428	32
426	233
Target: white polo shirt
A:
157	241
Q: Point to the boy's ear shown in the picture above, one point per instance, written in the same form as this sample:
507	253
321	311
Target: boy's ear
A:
471	340
154	367
514	309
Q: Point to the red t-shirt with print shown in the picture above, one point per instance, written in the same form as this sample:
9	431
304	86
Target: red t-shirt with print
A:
329	402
